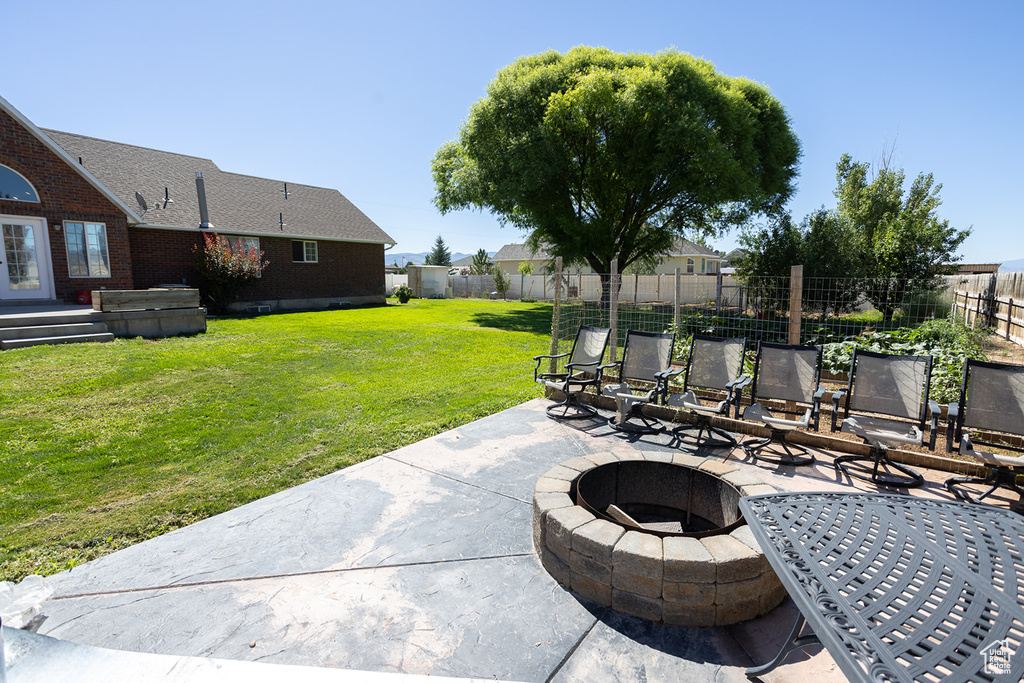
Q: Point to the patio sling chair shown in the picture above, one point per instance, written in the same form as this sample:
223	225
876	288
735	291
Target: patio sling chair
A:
992	407
894	387
581	371
643	375
789	373
715	365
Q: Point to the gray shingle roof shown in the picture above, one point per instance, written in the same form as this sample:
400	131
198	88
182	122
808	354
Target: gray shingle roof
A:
517	252
237	203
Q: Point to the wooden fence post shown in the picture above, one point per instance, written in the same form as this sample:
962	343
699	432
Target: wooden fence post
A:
796	295
613	313
555	313
677	302
718	292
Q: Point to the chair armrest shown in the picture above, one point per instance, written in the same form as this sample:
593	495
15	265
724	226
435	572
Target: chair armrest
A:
558	355
951	416
739	383
670	373
663	378
536	369
936	411
816	407
735	389
836	398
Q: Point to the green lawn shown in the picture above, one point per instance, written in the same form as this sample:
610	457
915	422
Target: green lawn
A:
104	445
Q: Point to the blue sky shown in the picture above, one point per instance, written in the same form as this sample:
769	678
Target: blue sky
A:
358	96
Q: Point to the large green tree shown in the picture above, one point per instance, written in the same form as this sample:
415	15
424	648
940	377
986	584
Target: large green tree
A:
880	243
904	243
765	267
600	156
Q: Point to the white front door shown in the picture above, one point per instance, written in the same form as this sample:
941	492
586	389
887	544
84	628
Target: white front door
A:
25	259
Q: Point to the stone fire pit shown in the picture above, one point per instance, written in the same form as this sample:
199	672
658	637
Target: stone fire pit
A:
655	535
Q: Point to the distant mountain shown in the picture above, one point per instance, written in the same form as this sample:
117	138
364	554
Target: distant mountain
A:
401	258
1010	266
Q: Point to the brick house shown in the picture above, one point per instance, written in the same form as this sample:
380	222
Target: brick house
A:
80	214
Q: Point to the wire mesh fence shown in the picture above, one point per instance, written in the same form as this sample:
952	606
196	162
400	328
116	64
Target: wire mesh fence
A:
757	309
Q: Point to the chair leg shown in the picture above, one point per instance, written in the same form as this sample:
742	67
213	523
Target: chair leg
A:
647	425
906	479
791	453
570	409
703	425
998	477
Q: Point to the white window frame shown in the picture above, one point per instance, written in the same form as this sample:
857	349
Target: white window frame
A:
306	251
89	264
690	266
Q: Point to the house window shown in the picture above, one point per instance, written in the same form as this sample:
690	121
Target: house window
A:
304	252
87	249
703	266
247	243
689	266
16	187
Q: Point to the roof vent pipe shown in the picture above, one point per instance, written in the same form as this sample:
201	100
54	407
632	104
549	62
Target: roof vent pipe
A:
204	216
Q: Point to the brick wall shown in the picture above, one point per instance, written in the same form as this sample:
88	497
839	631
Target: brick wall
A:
64	195
344	269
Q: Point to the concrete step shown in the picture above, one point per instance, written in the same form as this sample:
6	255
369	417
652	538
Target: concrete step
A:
54	318
67	339
50	330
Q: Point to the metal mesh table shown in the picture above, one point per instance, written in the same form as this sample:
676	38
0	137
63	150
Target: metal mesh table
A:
899	588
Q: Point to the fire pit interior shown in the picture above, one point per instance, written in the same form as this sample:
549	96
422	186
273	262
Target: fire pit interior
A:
655	535
660	498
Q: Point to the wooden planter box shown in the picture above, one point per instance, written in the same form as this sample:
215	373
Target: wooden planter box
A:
108	300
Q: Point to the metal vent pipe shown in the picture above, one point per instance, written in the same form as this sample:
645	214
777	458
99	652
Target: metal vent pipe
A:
204	216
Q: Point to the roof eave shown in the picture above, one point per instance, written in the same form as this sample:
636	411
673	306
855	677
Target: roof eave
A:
133	217
250	233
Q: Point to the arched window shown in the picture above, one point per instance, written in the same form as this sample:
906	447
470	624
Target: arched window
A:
689	266
15	186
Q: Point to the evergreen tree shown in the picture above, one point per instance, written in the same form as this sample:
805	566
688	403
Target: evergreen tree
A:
481	263
439	255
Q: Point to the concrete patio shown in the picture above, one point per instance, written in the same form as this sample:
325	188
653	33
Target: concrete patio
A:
419	562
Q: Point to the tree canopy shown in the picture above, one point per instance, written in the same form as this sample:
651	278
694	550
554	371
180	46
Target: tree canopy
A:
439	255
904	244
598	155
879	243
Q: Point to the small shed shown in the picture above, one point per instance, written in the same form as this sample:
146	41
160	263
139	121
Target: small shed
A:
428	282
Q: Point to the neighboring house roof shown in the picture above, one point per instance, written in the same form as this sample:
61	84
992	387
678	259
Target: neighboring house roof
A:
735	255
977	268
238	204
684	247
518	252
681	247
465	261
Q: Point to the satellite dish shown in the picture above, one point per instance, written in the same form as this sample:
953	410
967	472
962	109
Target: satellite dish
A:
142	201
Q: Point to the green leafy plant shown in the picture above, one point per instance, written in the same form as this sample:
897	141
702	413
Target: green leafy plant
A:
404	293
947	340
226	267
501	281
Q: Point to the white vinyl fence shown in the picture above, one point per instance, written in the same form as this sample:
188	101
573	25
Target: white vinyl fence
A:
392	281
